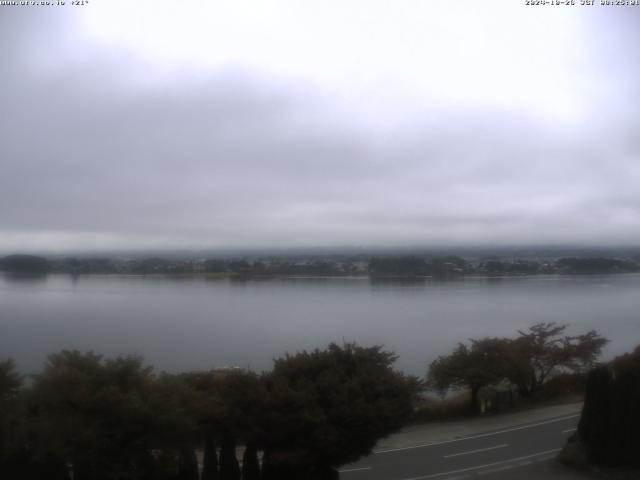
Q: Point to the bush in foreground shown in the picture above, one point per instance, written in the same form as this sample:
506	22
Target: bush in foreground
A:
114	419
608	430
330	407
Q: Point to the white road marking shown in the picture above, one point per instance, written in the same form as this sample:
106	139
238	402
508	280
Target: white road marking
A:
479	467
471	437
544	459
496	470
569	430
354	469
476	451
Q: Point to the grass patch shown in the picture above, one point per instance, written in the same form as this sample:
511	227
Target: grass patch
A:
431	409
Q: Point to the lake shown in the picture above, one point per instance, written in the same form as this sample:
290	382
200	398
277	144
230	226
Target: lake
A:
198	323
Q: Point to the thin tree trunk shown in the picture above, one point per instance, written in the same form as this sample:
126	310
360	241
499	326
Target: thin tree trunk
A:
475	407
188	465
250	463
210	460
229	467
267	467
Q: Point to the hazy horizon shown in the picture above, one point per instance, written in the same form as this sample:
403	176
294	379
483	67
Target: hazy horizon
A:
239	125
467	251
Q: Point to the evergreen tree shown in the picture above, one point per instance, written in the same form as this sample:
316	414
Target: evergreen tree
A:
10	383
594	425
250	463
229	467
210	460
482	363
330	407
625	413
267	471
187	464
610	418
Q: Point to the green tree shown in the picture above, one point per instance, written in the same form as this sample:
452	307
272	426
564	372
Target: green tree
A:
175	433
94	413
210	459
240	413
230	408
481	363
610	421
187	464
250	463
330	407
10	380
594	424
543	350
10	383
625	415
229	467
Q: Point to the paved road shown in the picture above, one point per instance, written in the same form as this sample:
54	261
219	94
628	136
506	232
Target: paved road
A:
492	455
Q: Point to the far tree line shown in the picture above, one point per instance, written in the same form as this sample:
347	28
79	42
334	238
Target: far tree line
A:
375	267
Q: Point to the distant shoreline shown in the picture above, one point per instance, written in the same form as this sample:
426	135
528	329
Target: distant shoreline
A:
233	275
405	267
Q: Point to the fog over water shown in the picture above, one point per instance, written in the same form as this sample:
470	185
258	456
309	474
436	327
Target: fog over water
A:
179	324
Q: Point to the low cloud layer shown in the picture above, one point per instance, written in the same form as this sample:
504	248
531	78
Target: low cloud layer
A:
104	146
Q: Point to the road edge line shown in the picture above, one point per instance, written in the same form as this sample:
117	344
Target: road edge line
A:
480	435
469	469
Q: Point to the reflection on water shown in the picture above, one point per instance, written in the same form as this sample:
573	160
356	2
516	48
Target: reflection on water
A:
190	322
24	277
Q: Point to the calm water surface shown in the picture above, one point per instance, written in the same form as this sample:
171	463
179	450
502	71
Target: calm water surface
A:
200	323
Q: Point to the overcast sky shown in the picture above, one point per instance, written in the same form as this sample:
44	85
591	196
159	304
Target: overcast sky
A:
204	124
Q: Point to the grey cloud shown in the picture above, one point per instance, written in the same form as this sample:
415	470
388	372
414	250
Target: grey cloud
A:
235	158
